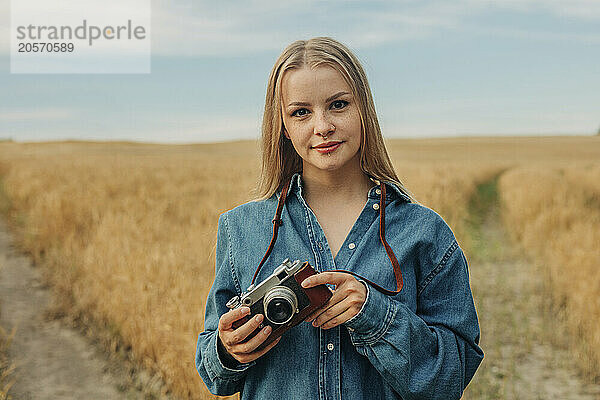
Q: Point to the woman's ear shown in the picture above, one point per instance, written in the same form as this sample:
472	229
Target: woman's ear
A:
286	133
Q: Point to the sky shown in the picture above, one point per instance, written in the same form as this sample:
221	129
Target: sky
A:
436	69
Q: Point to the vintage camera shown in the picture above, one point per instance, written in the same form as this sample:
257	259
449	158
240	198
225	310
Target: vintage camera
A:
281	299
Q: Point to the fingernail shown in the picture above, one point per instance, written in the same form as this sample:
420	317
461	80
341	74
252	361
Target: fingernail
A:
245	310
305	283
267	330
258	318
314	324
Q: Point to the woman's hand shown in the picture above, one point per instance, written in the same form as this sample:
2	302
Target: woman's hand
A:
234	340
347	299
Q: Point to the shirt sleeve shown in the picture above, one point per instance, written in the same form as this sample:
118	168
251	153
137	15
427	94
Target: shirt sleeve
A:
430	354
221	375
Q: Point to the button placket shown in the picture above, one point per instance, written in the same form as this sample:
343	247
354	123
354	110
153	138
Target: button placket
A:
330	347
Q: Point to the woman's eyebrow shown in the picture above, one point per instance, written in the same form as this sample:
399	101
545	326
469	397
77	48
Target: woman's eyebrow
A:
335	96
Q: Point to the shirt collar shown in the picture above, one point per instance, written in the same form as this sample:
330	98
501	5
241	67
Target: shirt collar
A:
392	190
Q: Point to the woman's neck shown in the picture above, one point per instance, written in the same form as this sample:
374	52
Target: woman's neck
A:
344	184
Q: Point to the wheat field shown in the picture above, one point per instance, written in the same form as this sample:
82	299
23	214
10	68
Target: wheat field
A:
554	213
125	232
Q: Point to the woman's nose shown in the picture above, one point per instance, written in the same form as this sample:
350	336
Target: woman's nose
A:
323	127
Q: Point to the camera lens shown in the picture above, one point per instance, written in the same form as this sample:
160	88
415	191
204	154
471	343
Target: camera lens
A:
280	305
279	310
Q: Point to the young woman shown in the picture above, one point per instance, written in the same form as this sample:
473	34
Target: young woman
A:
343	208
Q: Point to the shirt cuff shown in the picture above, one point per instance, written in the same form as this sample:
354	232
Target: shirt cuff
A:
373	318
215	366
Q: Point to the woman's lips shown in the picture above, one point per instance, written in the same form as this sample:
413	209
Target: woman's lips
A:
329	149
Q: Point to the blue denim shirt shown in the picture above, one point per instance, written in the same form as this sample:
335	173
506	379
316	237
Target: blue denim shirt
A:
419	344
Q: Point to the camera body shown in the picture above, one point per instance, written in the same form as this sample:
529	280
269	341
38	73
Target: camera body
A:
281	299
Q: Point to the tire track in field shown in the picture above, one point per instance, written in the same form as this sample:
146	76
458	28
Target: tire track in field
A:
52	361
521	362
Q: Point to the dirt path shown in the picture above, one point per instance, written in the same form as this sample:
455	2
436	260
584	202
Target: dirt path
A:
53	361
521	360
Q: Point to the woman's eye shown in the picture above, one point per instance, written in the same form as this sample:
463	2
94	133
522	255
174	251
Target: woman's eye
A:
339	104
301	112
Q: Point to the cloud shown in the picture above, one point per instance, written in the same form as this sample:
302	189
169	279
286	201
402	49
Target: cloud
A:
488	116
43	114
203	28
4	27
520	33
256	26
170	129
579	9
468	127
202	129
230	29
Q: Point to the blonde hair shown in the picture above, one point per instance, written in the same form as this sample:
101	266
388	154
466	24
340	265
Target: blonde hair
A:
279	158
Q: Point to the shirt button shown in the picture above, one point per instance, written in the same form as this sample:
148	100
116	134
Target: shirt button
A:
376	206
378	191
330	346
351	246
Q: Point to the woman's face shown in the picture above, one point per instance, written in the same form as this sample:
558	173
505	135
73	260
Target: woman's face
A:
318	109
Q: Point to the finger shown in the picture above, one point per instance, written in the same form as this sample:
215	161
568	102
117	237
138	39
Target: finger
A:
331	313
335	298
268	347
240	334
351	290
252	344
246	358
318	311
226	321
340	319
334	278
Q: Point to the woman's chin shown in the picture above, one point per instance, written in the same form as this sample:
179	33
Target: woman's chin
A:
328	165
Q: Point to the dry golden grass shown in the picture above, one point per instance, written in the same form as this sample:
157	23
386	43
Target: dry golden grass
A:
127	240
126	231
554	212
7	366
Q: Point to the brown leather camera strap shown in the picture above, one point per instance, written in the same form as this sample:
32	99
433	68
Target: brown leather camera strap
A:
277	222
